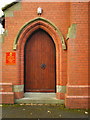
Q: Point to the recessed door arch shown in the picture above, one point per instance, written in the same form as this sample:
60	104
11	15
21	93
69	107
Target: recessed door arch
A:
40	63
19	45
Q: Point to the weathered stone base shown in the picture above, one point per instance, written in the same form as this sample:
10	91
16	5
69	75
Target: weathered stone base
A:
61	90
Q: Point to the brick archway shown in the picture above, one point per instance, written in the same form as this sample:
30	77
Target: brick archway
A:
27	31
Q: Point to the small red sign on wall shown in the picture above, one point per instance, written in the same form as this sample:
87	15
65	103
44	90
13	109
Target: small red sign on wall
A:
10	58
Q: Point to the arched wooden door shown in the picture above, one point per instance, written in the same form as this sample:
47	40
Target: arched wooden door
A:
40	63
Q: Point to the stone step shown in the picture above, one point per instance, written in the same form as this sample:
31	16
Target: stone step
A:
40	98
35	95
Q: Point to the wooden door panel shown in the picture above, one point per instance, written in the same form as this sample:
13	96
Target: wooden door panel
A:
39	50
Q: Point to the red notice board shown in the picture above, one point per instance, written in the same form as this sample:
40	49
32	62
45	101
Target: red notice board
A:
10	58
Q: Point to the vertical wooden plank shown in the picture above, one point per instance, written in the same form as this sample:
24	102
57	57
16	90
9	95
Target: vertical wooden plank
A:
40	50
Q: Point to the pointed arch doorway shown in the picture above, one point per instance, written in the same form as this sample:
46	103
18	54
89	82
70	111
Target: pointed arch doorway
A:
40	63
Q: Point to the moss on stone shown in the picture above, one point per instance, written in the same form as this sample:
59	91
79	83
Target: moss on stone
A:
9	12
72	31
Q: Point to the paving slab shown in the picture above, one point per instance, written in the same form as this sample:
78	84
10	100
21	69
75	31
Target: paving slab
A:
42	111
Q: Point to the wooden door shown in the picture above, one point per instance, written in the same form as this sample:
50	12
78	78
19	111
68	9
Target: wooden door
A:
39	63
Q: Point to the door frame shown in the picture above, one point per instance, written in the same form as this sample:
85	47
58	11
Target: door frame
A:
21	39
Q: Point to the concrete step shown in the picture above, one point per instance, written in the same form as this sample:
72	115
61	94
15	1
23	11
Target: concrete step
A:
39	95
40	98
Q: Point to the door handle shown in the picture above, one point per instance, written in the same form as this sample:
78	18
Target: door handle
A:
43	66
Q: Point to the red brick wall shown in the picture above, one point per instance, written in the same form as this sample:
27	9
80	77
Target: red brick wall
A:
78	47
78	58
58	13
73	64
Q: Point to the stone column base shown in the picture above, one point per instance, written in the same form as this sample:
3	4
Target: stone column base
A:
77	102
6	93
61	90
18	91
77	96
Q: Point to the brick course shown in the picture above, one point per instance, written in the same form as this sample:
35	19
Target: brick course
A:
72	63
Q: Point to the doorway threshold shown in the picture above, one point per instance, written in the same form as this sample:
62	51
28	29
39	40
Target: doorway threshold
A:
39	98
